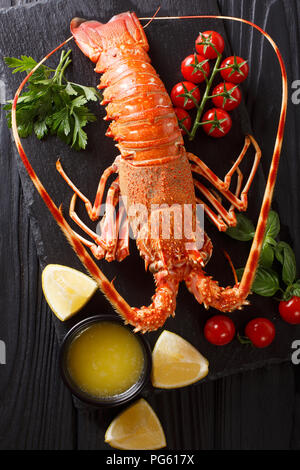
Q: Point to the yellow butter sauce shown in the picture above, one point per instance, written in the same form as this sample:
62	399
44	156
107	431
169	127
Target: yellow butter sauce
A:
105	359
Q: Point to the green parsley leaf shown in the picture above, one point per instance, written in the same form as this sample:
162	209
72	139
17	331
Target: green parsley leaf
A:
51	104
25	64
40	129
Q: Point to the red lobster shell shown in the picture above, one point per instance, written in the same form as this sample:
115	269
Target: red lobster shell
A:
153	168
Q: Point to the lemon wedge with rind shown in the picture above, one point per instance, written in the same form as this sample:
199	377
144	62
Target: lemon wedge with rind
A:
136	428
66	289
176	363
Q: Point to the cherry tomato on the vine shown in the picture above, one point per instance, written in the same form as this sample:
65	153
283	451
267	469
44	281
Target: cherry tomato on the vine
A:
219	330
220	123
231	98
290	310
180	95
183	119
260	331
195	68
236	70
204	49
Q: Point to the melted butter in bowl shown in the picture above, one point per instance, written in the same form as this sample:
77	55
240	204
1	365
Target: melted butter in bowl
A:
103	362
105	359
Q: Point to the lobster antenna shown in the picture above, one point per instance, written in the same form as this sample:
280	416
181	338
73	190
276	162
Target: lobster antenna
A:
117	301
232	267
253	258
152	18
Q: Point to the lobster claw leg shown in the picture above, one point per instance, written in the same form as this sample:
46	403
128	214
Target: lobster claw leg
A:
163	305
208	292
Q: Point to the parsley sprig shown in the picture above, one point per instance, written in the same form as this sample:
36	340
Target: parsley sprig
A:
51	104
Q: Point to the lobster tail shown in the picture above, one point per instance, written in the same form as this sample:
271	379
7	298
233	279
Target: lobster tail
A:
93	37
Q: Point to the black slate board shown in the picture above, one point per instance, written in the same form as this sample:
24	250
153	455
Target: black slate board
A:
133	283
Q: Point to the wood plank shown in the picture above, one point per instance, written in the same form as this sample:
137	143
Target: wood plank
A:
36	410
32	397
281	19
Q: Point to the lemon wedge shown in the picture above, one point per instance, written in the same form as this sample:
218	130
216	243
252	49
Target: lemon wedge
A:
136	428
66	289
176	363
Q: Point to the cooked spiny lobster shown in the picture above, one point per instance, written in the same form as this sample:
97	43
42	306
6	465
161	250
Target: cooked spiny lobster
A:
154	168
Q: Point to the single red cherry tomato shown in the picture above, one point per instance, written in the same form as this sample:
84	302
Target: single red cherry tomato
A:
181	95
237	69
290	310
183	118
207	51
219	330
260	331
230	100
195	68
221	122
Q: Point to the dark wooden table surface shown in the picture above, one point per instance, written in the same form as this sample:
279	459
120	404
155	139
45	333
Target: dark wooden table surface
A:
258	409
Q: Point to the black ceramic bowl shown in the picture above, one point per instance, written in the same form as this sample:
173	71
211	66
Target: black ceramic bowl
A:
115	400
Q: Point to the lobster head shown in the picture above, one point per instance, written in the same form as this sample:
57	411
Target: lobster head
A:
93	37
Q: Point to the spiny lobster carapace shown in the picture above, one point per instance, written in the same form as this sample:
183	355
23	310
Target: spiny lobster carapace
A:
154	168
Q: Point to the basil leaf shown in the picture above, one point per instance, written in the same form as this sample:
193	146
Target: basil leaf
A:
266	282
244	229
279	253
273	225
267	256
270	241
295	290
286	257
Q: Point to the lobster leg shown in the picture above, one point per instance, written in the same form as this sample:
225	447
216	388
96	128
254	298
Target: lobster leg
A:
90	244
241	202
228	216
163	305
227	179
92	210
105	244
115	230
238	189
123	230
83	226
208	292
